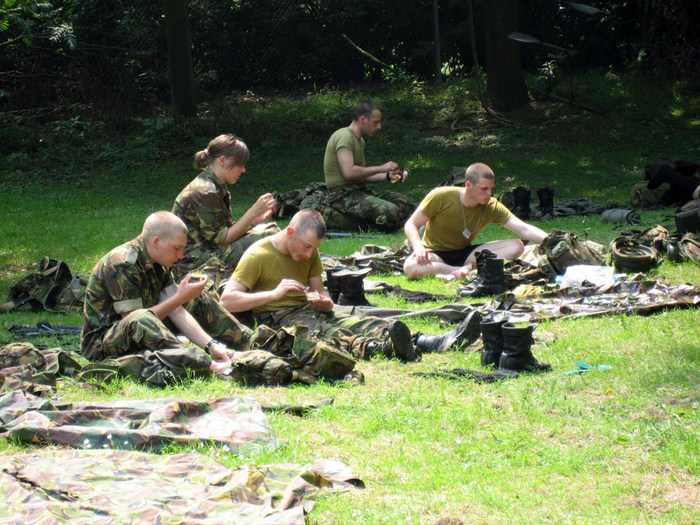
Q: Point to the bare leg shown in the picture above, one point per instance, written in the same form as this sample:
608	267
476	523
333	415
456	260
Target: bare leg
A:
505	249
436	266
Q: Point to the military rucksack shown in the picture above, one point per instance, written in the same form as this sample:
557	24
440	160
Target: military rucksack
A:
643	197
53	287
561	249
305	350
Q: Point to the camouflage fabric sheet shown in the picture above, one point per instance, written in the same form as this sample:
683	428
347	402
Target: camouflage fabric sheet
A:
540	303
625	297
237	423
118	486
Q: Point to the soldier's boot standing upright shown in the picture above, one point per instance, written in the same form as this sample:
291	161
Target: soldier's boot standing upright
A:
352	291
333	283
521	209
546	205
517	352
490	276
466	332
492	336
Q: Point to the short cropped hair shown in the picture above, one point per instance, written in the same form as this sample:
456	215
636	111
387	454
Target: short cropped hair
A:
228	145
308	219
365	109
162	224
478	171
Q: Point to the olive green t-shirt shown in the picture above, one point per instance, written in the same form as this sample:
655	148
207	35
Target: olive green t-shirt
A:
448	217
263	267
343	138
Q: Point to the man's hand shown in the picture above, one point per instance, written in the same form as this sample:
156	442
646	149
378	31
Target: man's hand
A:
220	352
191	286
288	285
422	256
263	208
320	302
391	166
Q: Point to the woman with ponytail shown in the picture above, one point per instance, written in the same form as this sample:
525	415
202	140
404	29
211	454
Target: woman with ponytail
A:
205	207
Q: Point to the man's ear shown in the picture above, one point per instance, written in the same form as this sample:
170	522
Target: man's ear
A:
290	231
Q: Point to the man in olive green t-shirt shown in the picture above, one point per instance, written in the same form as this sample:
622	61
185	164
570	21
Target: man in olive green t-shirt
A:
453	217
347	178
279	280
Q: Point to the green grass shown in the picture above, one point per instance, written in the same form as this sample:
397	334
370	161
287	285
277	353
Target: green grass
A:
607	446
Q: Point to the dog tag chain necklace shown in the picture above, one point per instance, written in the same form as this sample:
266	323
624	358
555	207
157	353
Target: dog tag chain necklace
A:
465	232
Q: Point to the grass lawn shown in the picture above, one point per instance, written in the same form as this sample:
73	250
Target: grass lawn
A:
607	446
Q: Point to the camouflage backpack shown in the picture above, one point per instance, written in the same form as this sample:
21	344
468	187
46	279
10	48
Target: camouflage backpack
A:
53	287
260	367
23	366
643	197
561	249
305	351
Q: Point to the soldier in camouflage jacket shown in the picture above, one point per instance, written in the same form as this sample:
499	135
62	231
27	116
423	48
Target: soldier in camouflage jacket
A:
131	292
205	207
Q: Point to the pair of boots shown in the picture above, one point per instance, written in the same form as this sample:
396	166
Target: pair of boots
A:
406	347
490	276
508	347
346	286
518	201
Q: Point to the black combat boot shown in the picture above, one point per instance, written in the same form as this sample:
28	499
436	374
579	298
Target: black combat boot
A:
546	205
517	353
492	336
467	332
522	203
398	344
490	276
332	282
352	290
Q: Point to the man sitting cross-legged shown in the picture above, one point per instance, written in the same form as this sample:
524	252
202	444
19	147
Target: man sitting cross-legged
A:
453	217
279	279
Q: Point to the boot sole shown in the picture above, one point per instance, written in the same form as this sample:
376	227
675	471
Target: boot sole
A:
470	329
402	342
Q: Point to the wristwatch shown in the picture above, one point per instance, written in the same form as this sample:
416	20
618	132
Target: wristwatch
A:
211	342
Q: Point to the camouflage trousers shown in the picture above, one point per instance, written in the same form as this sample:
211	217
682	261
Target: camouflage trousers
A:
226	257
142	330
349	208
347	333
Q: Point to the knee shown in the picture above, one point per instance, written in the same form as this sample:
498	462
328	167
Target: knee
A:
412	269
140	321
517	248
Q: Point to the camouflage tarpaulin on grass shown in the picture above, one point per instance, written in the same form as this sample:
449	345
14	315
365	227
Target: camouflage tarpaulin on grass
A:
135	424
118	486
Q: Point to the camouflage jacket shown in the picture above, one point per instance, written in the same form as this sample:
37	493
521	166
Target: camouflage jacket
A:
122	281
205	207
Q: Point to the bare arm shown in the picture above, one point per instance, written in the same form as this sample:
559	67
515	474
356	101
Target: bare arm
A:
525	230
237	298
413	224
258	212
187	290
355	173
189	326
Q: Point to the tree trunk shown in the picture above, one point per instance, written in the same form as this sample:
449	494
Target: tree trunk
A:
504	72
177	34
